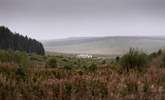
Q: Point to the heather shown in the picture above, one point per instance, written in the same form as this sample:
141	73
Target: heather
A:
36	77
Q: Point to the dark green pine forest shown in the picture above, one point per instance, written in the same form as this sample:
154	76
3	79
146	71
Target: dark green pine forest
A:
15	41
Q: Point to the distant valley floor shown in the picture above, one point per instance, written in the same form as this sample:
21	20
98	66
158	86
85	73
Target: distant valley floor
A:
105	45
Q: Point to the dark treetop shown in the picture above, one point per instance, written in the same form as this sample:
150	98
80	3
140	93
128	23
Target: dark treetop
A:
15	41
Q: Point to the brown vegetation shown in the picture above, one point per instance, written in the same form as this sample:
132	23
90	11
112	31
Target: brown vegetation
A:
105	82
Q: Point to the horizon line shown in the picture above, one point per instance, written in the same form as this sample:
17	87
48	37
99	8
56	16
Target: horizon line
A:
163	36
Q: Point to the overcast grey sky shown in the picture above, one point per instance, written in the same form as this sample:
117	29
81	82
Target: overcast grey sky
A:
51	19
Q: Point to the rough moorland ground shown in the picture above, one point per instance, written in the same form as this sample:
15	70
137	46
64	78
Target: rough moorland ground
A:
87	80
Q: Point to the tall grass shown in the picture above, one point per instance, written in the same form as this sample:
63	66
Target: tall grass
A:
96	82
51	62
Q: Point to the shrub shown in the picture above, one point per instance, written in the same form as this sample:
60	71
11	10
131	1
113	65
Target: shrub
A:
4	56
159	52
103	62
67	67
117	58
79	72
68	88
20	71
162	65
20	58
92	67
156	54
153	55
52	62
134	60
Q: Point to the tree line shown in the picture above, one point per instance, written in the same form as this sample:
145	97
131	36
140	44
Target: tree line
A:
15	41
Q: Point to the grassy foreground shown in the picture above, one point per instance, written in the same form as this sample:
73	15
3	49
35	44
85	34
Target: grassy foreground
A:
65	78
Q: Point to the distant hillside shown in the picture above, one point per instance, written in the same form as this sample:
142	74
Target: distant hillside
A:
105	45
15	41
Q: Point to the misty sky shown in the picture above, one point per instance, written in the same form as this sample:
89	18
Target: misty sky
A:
51	19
